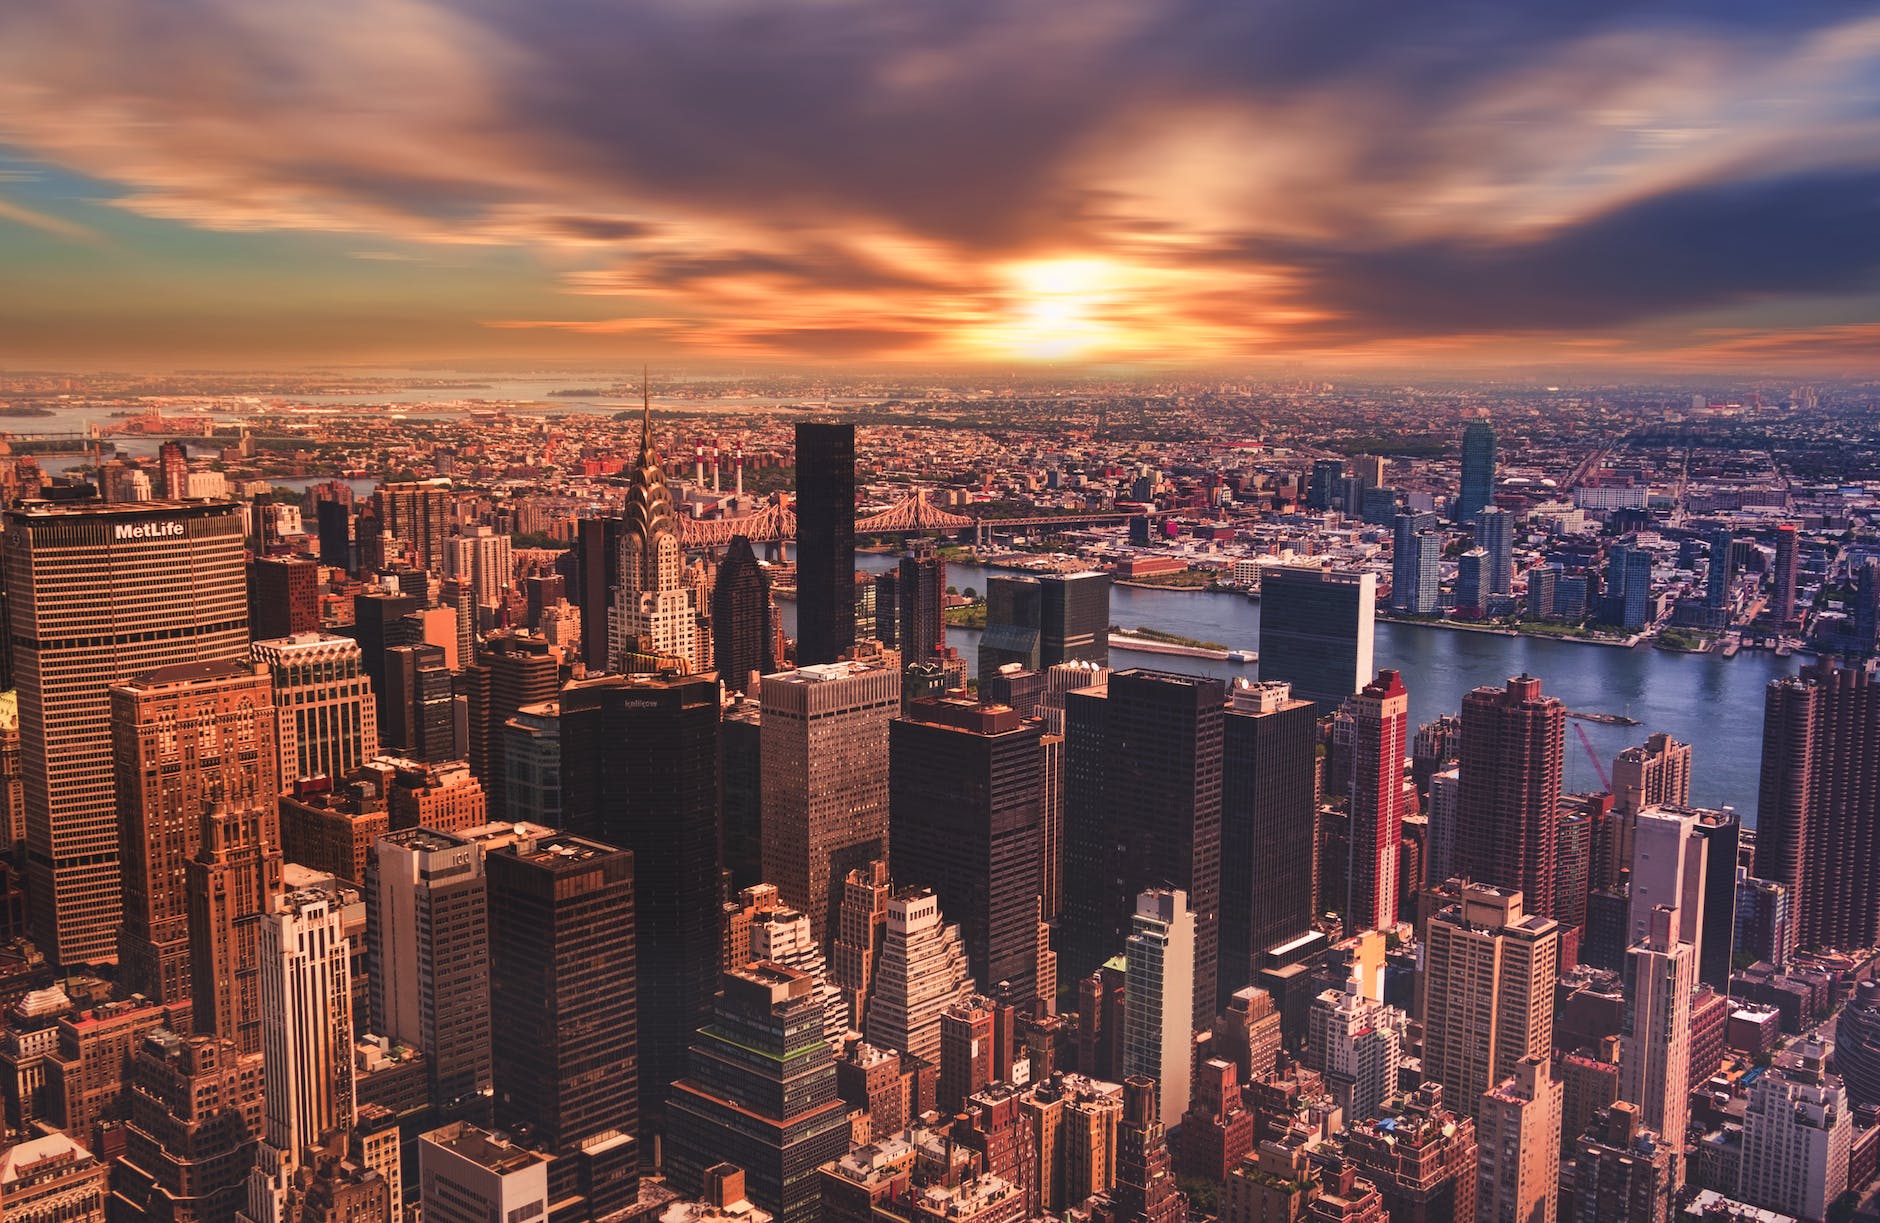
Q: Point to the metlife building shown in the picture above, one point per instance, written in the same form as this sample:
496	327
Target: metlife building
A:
97	594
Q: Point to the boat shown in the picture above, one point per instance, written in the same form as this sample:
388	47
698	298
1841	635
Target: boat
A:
1605	719
1243	656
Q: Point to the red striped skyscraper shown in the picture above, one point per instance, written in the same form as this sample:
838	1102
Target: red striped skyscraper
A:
1507	833
1381	724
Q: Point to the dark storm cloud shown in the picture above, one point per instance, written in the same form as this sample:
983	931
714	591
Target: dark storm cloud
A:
1700	248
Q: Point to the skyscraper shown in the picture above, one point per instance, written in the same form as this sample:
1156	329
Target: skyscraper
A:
1655	1053
1316	632
1322	485
825	559
1380	739
231	884
1145	1190
640	771
1517	1139
522	671
1797	1135
1268	794
921	972
427	925
1657	774
596	572
423	704
1158	1005
327	719
283	596
306	1041
1817	811
1415	574
1513	744
761	1094
1478	470
417	514
1722	572
562	995
1494	534
1357	1043
380	621
183	737
964	811
81	616
825	779
1143	766
1787	566
195	1108
1488	991
922	590
1621	1170
1669	868
484	557
1045	619
743	635
654	613
470	1175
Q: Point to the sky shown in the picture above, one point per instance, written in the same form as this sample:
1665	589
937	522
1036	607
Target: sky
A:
1648	185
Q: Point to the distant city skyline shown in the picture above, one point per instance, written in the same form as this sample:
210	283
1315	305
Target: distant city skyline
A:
1655	185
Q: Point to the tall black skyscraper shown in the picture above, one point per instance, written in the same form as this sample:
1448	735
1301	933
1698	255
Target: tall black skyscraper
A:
1478	470
562	1011
1270	740
965	818
742	640
1041	621
1142	809
379	623
640	770
825	537
922	590
334	521
597	572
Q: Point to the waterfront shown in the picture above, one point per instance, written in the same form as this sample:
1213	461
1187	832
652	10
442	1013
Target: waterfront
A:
1713	703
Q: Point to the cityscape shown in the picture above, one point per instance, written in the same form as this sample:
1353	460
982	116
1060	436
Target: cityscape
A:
849	612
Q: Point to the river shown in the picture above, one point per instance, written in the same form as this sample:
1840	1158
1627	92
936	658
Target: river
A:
1711	702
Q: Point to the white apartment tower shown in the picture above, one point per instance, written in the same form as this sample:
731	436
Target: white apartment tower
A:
1669	860
1357	1043
1797	1134
306	1040
782	936
921	973
1655	1050
1159	1000
485	557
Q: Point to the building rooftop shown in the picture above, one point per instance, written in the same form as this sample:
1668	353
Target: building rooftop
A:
560	849
40	1154
483	1147
193	673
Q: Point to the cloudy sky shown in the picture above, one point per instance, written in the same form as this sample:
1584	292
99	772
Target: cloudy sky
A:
1648	184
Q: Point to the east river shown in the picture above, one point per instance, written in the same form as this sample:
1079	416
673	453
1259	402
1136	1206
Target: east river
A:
1711	702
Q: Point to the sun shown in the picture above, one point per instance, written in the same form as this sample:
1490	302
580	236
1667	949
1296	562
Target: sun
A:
1056	308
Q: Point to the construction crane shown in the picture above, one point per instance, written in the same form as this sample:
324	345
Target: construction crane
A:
1593	756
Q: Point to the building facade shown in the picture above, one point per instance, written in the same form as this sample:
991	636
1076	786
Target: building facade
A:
89	603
